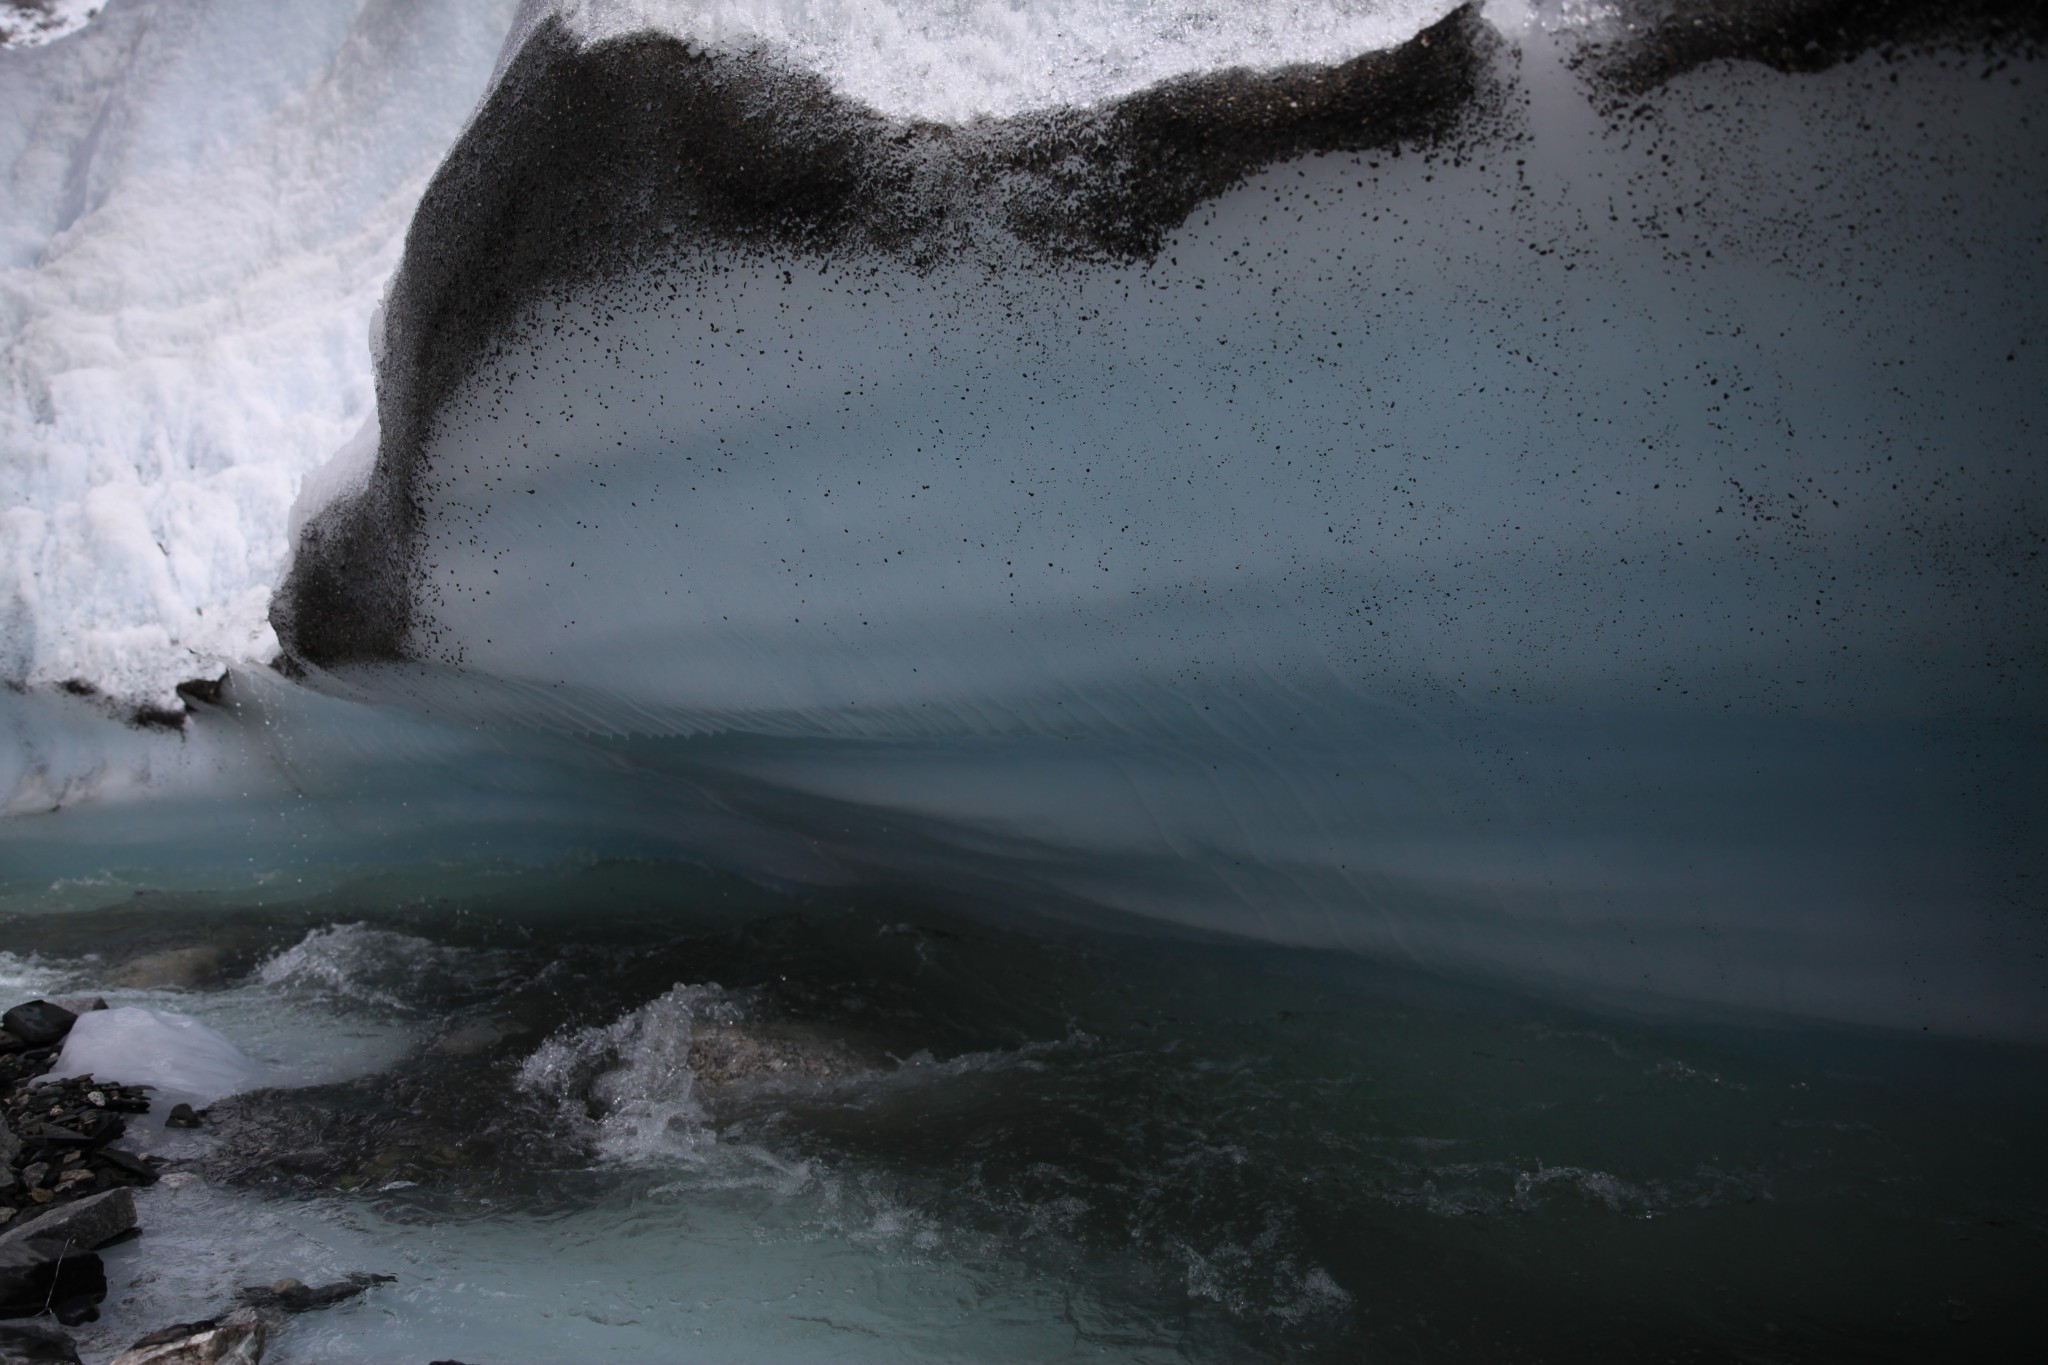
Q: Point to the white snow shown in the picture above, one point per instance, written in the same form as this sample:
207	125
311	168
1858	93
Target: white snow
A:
31	23
959	59
199	206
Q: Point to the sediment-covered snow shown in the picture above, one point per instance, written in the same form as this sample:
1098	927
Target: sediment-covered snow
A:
199	205
1597	552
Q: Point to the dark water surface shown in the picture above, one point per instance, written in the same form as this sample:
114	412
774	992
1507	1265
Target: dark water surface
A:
1017	1138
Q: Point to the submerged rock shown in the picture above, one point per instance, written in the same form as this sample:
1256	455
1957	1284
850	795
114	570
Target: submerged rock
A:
236	1339
190	968
295	1296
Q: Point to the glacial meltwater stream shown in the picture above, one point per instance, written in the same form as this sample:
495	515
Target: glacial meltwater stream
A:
981	680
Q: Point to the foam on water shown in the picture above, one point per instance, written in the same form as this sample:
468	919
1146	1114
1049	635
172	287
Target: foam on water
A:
629	1084
356	966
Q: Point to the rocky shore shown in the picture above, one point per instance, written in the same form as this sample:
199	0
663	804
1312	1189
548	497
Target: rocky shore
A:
67	1193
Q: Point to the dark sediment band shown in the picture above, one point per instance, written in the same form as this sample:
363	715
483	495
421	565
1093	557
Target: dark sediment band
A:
1668	38
590	163
593	163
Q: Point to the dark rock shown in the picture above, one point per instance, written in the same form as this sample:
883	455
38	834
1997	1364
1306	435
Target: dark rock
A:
181	1116
290	1296
70	1286
206	690
11	1042
38	1023
157	718
28	1344
48	1265
128	1164
77	1300
49	1136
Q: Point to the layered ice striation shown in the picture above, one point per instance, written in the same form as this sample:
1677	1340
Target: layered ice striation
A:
199	205
1541	492
1546	498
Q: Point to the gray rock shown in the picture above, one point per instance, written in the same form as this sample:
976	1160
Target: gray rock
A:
190	968
69	1228
294	1296
10	1152
26	1344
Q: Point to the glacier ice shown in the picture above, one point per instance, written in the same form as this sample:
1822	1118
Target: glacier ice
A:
199	205
1538	508
1541	492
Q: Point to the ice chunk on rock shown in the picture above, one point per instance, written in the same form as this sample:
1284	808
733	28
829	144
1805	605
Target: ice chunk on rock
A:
181	1057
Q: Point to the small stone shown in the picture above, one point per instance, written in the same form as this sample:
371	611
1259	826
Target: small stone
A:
86	1224
181	1116
36	1173
41	1196
96	1098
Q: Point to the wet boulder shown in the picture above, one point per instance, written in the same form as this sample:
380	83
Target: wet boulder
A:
39	1023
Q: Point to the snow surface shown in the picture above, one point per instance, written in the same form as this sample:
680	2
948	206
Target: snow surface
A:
199	206
953	60
31	23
